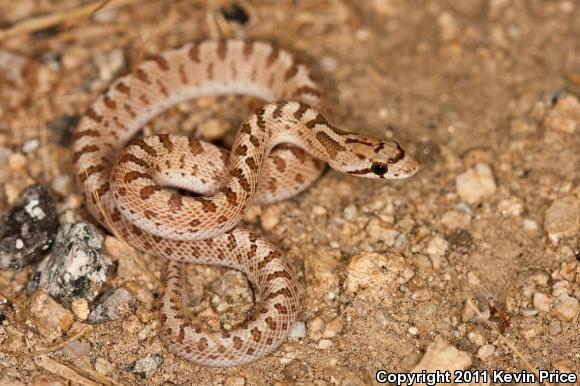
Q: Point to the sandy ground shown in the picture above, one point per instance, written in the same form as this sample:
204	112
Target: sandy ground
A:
478	251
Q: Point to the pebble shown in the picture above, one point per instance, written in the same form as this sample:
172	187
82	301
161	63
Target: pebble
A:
477	336
333	328
562	218
114	304
443	356
455	219
565	116
555	327
566	307
350	213
103	366
543	302
475	184
270	217
436	250
296	369
512	206
145	366
212	130
298	330
28	229
76	266
80	307
324	344
234	381
51	318
485	351
377	275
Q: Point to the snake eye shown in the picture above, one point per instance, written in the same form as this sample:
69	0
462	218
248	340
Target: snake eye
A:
379	168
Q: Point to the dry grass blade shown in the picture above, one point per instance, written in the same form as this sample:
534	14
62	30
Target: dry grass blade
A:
504	339
60	345
73	373
68	16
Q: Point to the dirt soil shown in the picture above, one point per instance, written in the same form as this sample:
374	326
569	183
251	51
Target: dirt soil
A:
475	257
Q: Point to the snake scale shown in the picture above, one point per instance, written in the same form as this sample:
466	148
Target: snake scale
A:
277	153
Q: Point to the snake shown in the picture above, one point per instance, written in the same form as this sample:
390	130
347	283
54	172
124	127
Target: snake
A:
180	198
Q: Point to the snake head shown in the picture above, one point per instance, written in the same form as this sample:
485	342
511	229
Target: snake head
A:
381	159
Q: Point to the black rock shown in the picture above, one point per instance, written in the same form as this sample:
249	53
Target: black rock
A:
28	229
235	12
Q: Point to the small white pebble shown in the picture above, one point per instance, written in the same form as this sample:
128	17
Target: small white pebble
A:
530	225
324	344
30	145
413	331
485	351
566	307
19	244
298	330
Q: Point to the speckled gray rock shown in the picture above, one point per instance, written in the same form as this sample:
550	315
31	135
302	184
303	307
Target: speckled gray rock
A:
76	266
112	305
28	229
146	366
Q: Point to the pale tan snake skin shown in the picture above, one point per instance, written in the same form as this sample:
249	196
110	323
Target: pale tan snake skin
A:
131	182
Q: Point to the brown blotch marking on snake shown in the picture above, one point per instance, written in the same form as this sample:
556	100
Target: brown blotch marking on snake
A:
162	88
226	335
277	113
271	256
260	118
102	189
281	309
209	70
231	196
182	73
241	150
279	274
293	70
86	133
146	192
156	238
237	342
222	49
281	292
222	219
168	331
256	334
175	202
271	323
129	110
85	150
254	140
149	214
202	344
279	162
306	90
253	236
168	251
123	88
116	215
195	222
231	241
162	318
221	349
142	76
300	154
252	164
195	146
207	204
143	98
133	175
128	157
302	109
166	142
272	184
90	171
111	104
400	155
143	145
250	351
92	114
136	230
332	147
269	341
248	48
299	178
272	57
161	62
194	53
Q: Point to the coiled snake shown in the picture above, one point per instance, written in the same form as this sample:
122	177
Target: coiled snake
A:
130	183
